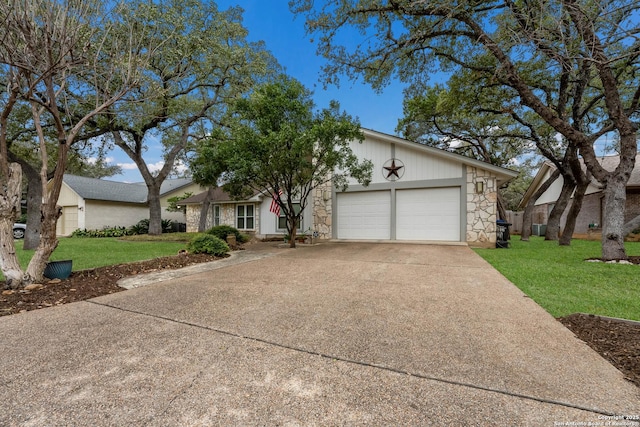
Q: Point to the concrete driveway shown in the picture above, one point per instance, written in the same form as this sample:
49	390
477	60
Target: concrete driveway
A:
334	334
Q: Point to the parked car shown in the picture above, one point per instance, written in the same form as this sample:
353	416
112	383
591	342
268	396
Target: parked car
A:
19	230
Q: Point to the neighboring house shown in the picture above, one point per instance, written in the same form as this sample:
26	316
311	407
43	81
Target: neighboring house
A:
590	216
417	193
92	204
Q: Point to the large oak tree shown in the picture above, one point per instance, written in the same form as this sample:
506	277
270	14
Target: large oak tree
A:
558	57
202	63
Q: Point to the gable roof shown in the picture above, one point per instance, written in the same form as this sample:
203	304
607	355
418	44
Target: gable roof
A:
503	174
608	162
114	191
219	195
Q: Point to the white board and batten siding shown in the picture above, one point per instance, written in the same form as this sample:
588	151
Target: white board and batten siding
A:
423	205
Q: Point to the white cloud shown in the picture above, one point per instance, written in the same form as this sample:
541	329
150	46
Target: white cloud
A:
155	167
128	166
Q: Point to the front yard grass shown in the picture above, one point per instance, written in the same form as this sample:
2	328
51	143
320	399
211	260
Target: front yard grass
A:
98	252
559	279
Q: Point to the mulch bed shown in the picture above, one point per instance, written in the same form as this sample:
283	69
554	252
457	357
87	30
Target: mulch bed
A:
618	342
85	284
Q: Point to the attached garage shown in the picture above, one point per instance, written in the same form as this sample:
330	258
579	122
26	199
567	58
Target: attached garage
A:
364	215
417	193
428	214
410	214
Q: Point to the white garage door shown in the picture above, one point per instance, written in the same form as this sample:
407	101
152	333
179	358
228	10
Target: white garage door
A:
428	214
364	215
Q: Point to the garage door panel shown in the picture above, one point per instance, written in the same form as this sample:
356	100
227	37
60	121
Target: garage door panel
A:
428	214
364	215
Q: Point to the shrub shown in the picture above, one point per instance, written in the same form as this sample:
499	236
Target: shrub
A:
208	244
105	232
142	227
222	231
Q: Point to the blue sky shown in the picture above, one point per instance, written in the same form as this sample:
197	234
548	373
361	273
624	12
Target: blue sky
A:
284	35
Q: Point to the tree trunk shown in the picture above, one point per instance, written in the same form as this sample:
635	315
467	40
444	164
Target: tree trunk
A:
553	223
34	201
615	197
9	210
204	212
527	217
50	214
572	215
502	212
155	210
292	228
48	243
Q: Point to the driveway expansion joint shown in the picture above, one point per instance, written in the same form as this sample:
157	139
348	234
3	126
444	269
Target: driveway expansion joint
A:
356	362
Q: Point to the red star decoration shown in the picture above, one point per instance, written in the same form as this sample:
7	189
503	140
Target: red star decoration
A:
393	170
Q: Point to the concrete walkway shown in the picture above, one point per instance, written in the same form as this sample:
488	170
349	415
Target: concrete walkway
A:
334	334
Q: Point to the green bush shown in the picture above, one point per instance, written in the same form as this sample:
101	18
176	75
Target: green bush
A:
222	231
142	227
208	244
105	232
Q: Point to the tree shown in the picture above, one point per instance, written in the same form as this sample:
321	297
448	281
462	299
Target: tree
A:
84	160
279	146
203	62
468	118
573	63
174	202
477	117
50	52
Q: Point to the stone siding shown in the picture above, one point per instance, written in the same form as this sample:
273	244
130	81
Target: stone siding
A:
322	210
227	216
481	208
193	218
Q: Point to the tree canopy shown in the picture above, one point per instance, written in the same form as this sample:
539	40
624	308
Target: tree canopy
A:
51	53
279	146
203	61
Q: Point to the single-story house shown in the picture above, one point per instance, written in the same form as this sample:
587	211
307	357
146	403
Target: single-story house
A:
417	193
92	204
591	214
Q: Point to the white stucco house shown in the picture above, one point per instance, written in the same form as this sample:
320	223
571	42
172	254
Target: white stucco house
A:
417	193
92	204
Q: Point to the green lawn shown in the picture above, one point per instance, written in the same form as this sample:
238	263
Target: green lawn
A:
90	253
558	278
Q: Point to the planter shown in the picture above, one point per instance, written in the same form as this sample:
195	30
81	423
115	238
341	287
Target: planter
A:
58	269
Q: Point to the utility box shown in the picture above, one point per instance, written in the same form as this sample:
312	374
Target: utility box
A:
539	229
502	234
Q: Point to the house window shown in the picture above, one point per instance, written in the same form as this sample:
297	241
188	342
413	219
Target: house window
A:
282	220
244	217
216	215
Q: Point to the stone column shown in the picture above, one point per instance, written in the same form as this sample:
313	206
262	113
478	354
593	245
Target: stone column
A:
481	208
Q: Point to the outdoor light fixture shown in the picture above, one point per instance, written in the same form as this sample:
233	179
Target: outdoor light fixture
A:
479	187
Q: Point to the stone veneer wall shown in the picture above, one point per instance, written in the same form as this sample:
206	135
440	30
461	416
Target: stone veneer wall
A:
227	216
322	210
193	218
481	208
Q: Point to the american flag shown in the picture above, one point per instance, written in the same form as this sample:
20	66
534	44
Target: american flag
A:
275	207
